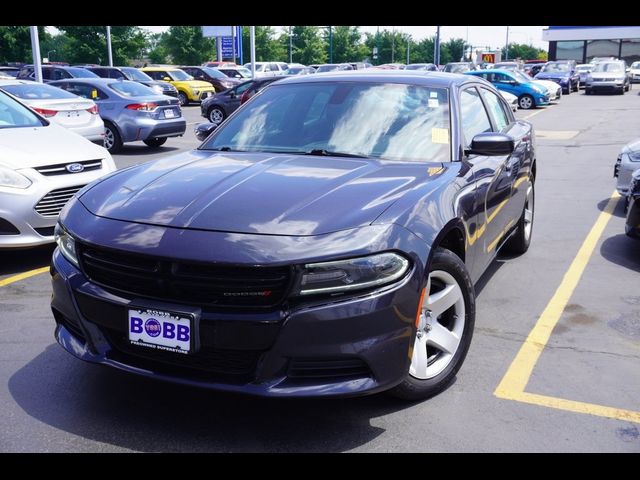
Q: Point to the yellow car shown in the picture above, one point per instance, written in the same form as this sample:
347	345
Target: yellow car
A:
189	90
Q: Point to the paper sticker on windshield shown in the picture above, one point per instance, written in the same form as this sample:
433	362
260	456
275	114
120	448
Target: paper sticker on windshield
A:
440	135
433	103
433	94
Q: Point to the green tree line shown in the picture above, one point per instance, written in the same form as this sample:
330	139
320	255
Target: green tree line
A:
186	45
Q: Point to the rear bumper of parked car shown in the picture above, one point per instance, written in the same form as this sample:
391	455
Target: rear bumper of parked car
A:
144	128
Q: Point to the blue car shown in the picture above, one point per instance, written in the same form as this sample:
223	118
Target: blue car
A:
564	73
131	111
324	240
529	94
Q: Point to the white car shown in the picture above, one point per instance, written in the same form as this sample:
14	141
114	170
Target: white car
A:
78	114
268	69
42	165
511	99
555	90
634	72
628	161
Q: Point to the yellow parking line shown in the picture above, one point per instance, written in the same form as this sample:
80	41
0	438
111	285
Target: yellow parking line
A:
22	276
532	114
514	382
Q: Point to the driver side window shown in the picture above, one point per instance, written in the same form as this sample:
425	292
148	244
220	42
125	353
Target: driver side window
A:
474	116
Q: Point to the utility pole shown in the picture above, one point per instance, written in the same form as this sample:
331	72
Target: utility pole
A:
377	47
506	50
330	44
109	46
233	43
35	51
252	33
290	45
408	48
393	44
436	47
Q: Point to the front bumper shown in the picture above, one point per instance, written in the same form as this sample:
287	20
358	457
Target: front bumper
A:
605	86
351	347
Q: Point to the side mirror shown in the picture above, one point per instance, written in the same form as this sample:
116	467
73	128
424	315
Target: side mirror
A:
203	130
232	94
166	79
491	144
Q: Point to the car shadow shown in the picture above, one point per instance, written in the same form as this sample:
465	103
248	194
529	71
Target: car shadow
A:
132	150
22	260
141	414
622	250
618	211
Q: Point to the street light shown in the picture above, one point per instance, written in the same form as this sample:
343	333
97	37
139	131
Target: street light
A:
290	46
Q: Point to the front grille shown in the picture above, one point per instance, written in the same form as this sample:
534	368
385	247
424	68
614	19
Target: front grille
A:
186	282
170	92
61	168
228	363
8	228
51	204
325	368
45	231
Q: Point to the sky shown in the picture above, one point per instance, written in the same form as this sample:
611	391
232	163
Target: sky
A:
478	36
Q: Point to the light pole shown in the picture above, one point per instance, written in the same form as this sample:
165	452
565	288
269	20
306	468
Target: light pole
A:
436	47
109	46
506	50
290	46
330	44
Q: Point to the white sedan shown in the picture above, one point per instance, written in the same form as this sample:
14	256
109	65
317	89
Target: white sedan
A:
511	99
78	114
42	166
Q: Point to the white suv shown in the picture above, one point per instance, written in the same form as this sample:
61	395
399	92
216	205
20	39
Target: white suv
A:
268	69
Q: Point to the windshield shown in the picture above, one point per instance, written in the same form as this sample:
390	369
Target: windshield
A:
556	67
635	65
608	67
584	68
34	91
178	75
521	77
380	120
131	89
81	72
14	115
214	73
135	74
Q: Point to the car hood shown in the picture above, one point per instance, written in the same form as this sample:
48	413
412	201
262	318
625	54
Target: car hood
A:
600	75
31	147
261	193
545	75
632	147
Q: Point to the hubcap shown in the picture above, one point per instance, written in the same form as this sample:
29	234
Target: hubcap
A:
525	102
440	326
108	138
216	116
183	98
528	214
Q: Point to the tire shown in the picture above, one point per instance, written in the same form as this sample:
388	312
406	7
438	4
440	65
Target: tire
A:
521	239
433	368
568	92
216	115
526	102
628	87
621	91
577	87
155	142
184	100
112	138
587	91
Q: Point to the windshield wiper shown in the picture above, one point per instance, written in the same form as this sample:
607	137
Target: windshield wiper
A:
321	152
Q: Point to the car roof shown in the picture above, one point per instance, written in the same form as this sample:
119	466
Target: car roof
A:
409	77
157	69
96	81
14	82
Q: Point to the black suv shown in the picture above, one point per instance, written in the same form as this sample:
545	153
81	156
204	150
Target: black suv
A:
130	73
216	78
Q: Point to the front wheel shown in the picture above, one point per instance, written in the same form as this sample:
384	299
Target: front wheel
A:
444	329
184	100
521	239
216	115
526	102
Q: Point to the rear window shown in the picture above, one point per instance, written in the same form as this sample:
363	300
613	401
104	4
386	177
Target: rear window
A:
37	91
131	89
14	115
81	72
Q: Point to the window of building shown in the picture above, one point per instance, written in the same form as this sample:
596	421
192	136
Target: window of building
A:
570	50
602	48
631	50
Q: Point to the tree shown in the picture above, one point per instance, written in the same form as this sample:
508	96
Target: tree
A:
523	51
185	45
15	43
348	45
88	44
156	48
308	45
392	46
268	48
455	49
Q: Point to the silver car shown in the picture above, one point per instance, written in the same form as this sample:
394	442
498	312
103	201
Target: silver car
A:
80	115
611	76
42	165
131	111
628	161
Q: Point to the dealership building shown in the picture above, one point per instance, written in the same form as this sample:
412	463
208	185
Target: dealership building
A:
583	43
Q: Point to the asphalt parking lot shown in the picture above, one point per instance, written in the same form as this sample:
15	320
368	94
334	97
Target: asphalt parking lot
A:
553	366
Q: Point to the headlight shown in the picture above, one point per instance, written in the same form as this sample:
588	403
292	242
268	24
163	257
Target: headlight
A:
66	244
540	90
13	179
352	274
634	156
158	89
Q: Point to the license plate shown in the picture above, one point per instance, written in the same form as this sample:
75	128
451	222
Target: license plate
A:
161	330
169	113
